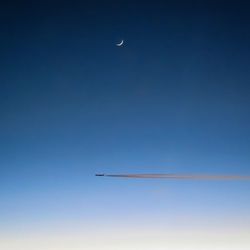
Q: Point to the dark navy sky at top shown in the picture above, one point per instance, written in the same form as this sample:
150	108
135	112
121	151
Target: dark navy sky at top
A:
175	95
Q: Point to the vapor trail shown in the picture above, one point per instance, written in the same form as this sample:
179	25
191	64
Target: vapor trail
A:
178	176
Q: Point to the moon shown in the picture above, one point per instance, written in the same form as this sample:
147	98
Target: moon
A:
120	44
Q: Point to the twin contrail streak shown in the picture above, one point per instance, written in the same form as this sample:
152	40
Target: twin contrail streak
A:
178	176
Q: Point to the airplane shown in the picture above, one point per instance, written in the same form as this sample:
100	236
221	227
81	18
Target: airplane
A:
99	174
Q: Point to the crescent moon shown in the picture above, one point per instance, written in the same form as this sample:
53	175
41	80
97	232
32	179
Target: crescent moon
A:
120	44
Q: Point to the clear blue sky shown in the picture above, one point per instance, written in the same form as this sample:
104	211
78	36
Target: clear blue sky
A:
174	99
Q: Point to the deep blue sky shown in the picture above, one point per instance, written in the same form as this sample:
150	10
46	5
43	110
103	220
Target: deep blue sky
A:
175	98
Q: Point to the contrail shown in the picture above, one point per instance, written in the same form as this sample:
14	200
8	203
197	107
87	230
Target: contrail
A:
178	176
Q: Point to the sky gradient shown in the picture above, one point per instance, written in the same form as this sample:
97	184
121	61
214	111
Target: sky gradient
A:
175	98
